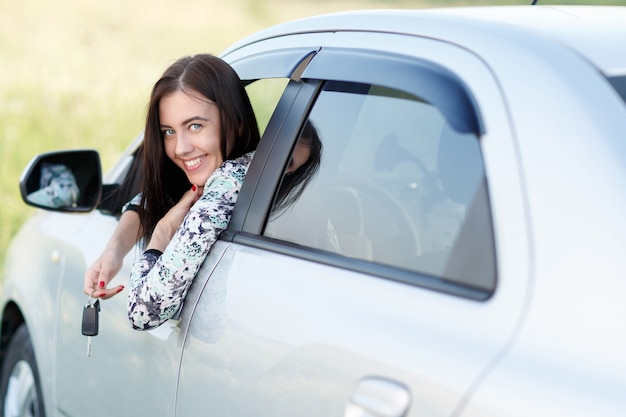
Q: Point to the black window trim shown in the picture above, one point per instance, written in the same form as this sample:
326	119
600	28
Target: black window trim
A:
256	194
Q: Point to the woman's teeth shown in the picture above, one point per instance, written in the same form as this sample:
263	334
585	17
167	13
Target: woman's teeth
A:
193	162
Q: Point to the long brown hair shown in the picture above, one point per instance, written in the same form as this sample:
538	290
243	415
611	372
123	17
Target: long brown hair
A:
293	185
163	182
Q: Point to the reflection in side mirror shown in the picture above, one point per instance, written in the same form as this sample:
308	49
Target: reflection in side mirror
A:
63	181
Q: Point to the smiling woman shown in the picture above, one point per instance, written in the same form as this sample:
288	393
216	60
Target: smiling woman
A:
200	132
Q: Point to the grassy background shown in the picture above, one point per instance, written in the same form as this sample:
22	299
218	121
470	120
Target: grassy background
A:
77	74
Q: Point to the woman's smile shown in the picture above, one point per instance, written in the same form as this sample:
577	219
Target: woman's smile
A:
192	164
190	125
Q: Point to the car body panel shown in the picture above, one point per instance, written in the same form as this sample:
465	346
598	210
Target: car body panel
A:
117	350
331	339
578	27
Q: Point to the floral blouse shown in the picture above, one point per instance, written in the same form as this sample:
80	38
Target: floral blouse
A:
159	281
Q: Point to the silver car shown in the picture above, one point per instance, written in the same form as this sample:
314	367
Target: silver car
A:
457	248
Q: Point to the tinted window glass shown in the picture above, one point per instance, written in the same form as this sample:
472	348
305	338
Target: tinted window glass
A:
619	83
388	181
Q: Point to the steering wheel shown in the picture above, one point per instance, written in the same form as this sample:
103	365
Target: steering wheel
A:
378	216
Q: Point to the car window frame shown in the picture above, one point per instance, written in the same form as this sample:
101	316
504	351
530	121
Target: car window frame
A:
264	176
256	194
251	65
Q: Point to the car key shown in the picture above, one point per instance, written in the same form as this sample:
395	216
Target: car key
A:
90	321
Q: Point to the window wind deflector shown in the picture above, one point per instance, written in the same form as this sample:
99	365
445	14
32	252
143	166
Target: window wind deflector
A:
282	63
433	83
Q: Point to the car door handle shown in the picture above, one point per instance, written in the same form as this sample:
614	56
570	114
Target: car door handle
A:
378	397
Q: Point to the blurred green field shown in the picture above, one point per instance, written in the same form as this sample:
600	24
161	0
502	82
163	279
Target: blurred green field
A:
78	74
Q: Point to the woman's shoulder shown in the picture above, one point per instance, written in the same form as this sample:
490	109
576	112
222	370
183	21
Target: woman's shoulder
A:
234	168
245	159
237	164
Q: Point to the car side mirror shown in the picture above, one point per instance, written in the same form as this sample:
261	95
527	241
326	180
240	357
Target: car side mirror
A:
66	181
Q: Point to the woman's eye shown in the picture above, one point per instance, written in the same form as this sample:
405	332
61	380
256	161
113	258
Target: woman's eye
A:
195	126
167	132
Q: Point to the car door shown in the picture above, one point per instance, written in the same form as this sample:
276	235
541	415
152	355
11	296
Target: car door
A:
381	283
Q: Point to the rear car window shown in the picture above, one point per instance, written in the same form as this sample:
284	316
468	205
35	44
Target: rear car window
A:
394	184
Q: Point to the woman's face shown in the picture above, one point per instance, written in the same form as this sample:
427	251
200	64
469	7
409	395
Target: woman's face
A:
190	125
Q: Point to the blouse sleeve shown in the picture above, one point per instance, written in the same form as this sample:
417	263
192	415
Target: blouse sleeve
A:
132	205
159	282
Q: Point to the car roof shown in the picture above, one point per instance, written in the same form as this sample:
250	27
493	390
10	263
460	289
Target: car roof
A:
595	32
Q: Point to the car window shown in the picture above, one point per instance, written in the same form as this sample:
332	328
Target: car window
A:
390	182
264	95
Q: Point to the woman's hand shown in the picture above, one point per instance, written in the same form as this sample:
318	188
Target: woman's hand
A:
167	226
100	273
104	269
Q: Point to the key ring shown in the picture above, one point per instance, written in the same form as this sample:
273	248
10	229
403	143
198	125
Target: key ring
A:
93	301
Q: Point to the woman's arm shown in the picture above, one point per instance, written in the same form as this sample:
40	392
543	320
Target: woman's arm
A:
160	281
109	263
